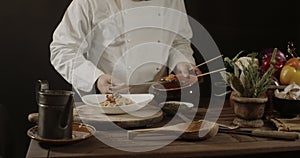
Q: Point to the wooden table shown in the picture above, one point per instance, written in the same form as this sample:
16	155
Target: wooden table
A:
222	145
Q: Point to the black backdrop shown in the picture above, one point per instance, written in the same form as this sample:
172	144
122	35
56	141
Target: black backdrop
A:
27	27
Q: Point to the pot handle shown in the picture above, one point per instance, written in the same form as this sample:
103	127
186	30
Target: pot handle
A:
67	115
41	85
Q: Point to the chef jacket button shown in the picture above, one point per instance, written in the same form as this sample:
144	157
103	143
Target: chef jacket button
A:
158	68
128	40
129	67
158	41
159	14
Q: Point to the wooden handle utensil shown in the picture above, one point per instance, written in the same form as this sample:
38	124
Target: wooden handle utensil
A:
215	58
211	72
185	130
265	133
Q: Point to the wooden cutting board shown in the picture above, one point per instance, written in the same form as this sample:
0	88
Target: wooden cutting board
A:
147	116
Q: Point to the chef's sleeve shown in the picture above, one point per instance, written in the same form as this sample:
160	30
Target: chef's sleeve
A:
70	45
181	50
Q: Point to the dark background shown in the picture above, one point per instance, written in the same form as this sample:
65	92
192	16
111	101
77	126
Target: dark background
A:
26	28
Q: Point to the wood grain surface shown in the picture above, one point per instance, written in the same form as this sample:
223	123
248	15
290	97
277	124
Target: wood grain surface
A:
222	145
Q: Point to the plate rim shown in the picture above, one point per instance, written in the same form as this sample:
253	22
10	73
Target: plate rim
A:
117	108
90	128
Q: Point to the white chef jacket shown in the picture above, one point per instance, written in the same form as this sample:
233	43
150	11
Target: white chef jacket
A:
132	40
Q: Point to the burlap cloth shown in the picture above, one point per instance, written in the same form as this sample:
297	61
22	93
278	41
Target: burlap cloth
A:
287	124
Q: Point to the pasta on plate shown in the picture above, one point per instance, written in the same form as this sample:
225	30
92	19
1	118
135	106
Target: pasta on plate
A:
118	100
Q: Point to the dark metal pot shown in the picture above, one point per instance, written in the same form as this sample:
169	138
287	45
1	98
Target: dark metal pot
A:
55	112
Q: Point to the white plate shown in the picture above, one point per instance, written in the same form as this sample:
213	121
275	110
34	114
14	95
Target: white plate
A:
140	101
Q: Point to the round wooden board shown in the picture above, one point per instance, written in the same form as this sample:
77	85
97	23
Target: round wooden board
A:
147	116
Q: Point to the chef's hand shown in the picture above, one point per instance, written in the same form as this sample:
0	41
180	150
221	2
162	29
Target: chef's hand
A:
186	69
105	82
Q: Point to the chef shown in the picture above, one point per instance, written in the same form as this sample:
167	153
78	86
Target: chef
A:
103	43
